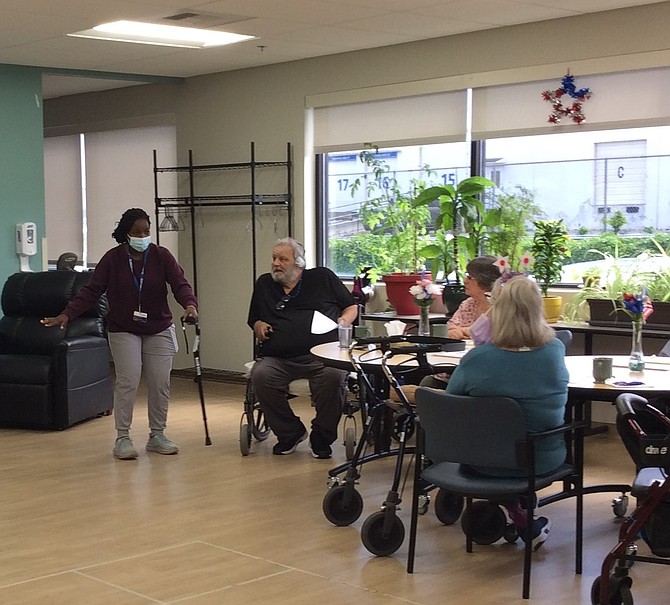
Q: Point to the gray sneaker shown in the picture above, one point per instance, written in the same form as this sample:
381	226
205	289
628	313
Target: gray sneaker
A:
123	448
160	444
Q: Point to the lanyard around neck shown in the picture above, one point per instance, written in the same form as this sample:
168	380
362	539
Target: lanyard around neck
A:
138	281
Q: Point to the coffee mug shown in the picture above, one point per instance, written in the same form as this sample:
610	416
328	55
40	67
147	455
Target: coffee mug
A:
602	369
361	332
441	330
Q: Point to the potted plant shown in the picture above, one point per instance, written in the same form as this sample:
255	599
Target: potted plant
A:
509	237
622	276
591	277
398	226
549	250
459	228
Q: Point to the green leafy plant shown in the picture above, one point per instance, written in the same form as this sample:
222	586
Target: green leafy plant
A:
617	221
658	283
389	214
618	276
591	277
549	250
508	237
460	222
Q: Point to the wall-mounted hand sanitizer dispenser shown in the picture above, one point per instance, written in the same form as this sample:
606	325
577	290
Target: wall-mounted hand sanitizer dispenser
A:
26	243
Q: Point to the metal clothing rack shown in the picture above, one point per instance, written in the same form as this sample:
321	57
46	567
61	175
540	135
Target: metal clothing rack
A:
166	206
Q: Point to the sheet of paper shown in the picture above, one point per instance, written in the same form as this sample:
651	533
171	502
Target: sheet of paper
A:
322	324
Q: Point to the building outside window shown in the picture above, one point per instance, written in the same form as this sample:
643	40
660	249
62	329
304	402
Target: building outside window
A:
584	178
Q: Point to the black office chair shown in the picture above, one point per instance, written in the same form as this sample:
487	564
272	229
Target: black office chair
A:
66	261
487	432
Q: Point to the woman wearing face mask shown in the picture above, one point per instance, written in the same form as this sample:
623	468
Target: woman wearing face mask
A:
135	275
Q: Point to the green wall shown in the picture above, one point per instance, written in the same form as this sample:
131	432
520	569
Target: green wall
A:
21	162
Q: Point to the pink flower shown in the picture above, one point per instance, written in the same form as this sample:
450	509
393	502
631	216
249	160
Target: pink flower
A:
502	264
525	261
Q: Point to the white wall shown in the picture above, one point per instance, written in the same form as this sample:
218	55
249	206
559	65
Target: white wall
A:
218	115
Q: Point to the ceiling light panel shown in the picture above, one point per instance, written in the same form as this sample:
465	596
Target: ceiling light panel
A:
160	35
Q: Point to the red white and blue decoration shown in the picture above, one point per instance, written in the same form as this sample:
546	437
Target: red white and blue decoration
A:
575	100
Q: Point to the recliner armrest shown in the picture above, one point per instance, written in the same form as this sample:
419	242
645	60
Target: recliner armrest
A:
82	342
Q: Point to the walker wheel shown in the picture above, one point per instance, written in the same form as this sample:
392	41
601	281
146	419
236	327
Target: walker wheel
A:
511	533
342	505
349	442
423	504
631	549
245	436
376	540
486	522
448	506
620	506
618	591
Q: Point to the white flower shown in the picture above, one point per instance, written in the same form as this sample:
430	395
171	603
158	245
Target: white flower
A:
424	290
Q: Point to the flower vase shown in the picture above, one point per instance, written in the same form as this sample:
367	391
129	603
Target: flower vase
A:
636	359
424	322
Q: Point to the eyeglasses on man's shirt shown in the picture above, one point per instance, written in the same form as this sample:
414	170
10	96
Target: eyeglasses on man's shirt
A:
281	305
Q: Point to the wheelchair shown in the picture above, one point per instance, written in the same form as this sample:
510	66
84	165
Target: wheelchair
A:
253	425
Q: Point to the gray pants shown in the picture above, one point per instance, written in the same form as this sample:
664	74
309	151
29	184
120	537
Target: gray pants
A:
271	376
133	354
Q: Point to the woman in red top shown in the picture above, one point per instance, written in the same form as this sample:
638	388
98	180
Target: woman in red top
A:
134	275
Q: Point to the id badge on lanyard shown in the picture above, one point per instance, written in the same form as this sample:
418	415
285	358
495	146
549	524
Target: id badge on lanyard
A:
139	315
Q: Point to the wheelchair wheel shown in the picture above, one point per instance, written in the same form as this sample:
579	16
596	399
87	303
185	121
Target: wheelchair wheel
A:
349	442
618	591
376	540
342	505
245	436
259	427
486	523
448	507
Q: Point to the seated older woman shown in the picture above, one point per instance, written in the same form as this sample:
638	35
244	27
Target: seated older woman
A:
479	279
524	361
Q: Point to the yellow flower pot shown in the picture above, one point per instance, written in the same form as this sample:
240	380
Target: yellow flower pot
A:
552	308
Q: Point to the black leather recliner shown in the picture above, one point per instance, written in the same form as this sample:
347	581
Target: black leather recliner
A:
51	378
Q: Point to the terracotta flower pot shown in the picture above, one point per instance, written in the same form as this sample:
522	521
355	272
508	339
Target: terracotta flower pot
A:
397	291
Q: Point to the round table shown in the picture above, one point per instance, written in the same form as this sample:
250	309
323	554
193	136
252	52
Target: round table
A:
655	379
370	358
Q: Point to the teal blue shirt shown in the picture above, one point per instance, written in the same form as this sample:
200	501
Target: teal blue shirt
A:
537	379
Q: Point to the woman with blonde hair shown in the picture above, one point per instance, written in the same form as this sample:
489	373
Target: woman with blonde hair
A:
523	361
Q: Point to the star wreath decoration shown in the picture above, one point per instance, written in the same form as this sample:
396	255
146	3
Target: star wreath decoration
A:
571	110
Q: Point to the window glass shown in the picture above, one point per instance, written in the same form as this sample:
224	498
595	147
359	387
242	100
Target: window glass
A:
610	187
350	183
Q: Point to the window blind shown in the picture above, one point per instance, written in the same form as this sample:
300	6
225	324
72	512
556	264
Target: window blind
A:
429	118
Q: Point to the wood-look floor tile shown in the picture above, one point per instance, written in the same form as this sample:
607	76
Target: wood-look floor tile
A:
211	526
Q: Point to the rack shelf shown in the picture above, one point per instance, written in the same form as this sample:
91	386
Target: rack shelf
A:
252	197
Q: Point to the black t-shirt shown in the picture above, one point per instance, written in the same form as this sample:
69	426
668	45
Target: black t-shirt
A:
320	290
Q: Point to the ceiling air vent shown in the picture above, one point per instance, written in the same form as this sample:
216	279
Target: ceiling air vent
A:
202	20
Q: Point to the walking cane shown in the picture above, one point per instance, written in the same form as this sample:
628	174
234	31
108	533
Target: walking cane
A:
198	368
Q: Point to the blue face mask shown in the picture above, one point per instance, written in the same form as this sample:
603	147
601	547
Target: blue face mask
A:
139	243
